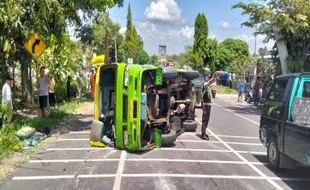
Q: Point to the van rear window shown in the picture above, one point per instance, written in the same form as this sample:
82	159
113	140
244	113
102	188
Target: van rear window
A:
306	90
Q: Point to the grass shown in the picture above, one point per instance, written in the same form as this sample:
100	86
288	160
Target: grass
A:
10	144
225	90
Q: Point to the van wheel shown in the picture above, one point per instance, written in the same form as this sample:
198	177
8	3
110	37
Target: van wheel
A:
168	139
189	126
273	153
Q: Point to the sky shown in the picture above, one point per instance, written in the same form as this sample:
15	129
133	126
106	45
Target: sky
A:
171	22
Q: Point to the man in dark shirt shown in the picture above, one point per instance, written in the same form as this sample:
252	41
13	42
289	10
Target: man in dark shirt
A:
207	103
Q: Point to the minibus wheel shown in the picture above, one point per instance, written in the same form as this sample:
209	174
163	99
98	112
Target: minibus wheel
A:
168	139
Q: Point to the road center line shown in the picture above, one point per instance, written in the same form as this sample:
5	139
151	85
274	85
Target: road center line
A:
225	136
120	169
236	114
43	177
145	160
274	184
235	143
66	149
159	175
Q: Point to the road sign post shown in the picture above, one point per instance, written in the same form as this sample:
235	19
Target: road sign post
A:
35	46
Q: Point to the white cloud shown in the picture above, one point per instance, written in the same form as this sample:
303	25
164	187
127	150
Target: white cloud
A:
163	10
123	30
224	24
174	38
250	40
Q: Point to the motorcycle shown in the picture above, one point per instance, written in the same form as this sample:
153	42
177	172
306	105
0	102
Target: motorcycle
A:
249	96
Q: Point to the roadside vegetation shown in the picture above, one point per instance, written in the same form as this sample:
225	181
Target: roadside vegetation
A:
225	90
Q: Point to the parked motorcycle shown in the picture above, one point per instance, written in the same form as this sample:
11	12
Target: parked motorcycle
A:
249	95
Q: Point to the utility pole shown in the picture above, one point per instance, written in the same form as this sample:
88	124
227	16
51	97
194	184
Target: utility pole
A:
255	41
115	46
106	44
255	69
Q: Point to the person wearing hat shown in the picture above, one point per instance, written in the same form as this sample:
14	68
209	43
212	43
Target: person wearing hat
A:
206	96
7	96
43	92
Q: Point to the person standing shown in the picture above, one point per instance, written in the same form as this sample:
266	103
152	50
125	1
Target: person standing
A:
69	88
256	92
207	103
92	84
7	96
51	90
240	90
79	86
43	92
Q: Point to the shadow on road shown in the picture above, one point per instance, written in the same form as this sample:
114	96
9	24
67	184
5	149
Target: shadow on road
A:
245	109
301	172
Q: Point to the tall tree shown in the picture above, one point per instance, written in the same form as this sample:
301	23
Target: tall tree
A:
288	23
133	41
203	48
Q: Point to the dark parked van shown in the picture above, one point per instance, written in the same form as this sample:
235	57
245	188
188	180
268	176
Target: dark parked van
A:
285	121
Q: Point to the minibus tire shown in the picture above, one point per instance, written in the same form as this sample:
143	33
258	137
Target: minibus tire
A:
168	139
273	153
189	126
190	75
169	75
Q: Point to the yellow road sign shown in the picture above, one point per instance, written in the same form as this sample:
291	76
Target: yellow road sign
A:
35	45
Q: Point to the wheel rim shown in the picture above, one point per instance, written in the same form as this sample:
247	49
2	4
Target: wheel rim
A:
272	153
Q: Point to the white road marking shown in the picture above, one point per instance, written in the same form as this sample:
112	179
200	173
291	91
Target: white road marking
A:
66	149
274	184
237	114
73	140
120	169
96	176
192	149
79	132
159	175
211	150
225	136
193	176
145	160
74	160
236	143
43	177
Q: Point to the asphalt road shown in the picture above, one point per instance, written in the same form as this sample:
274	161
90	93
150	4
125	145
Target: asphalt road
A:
233	158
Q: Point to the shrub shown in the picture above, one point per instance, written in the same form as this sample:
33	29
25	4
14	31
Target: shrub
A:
60	92
8	142
73	86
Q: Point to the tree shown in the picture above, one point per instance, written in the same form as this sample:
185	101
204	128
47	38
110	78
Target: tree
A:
263	51
235	52
203	47
19	19
133	41
288	23
143	58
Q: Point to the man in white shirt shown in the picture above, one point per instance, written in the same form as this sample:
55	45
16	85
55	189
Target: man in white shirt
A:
7	96
43	91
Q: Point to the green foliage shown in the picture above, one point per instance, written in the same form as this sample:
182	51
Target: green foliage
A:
291	18
233	55
60	92
144	58
203	48
8	141
201	34
133	42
